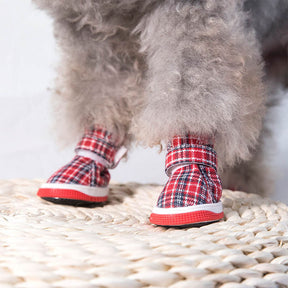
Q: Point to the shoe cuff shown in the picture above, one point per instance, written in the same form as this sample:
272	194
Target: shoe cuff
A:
97	145
182	151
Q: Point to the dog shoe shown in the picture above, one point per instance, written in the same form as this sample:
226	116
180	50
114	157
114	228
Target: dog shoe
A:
193	191
85	179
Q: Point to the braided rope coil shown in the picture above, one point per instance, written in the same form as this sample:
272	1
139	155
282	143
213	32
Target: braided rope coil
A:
47	245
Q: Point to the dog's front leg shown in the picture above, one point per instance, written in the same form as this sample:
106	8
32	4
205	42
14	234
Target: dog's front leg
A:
204	90
204	76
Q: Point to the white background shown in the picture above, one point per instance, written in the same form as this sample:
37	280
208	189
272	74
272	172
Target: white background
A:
28	149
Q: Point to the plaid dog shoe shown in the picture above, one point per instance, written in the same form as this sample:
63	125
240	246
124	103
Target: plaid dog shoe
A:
85	179
193	191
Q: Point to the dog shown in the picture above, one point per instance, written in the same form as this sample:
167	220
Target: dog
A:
148	70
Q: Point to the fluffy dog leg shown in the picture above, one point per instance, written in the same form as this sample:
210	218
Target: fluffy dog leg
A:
252	176
99	73
96	89
204	76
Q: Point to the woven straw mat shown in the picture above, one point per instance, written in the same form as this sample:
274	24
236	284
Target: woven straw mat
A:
48	245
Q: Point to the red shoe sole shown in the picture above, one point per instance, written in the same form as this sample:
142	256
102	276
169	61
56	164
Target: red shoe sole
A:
190	218
69	194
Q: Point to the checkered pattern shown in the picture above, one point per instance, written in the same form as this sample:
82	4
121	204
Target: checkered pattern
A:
83	170
99	142
196	182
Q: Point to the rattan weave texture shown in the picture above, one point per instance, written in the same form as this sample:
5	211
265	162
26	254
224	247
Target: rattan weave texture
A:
47	245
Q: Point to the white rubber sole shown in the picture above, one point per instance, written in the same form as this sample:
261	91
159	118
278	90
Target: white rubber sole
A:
213	207
90	191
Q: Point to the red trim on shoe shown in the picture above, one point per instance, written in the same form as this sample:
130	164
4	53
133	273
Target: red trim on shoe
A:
196	217
68	194
189	215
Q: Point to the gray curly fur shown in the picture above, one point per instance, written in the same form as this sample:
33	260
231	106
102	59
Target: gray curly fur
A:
150	69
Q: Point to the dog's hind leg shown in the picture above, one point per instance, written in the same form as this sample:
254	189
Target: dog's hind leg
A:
252	176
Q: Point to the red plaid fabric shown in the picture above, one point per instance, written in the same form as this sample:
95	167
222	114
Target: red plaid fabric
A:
99	142
84	171
85	179
187	150
196	182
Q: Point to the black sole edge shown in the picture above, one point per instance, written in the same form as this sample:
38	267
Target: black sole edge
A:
193	225
73	202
